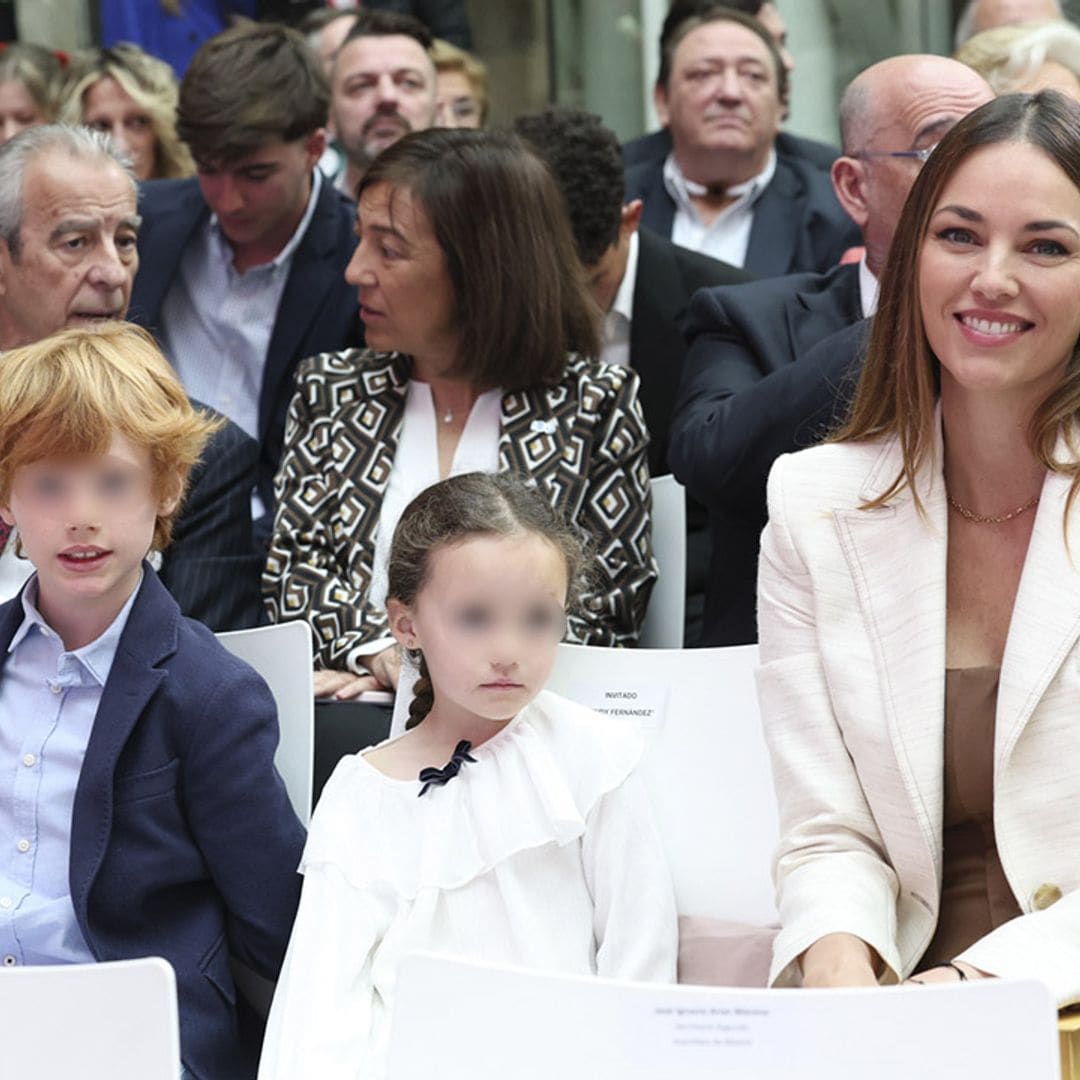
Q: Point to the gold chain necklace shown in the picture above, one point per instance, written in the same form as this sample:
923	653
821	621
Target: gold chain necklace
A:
980	519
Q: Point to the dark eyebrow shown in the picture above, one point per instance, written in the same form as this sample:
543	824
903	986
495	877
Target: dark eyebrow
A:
80	225
960	212
968	214
1046	226
384	230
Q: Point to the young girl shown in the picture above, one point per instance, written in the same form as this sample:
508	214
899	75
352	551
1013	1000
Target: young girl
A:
506	825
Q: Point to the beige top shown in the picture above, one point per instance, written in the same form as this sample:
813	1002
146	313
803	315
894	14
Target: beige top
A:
975	895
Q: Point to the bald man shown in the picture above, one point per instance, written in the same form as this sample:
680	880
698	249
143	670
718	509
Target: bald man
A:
980	15
743	399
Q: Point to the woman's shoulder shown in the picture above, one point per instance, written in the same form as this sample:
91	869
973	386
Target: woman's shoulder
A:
377	370
609	378
836	472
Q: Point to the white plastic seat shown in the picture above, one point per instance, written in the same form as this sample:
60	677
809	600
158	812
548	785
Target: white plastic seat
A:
108	1021
706	765
281	654
666	613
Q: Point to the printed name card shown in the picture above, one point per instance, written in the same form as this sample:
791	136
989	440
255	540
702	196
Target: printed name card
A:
643	702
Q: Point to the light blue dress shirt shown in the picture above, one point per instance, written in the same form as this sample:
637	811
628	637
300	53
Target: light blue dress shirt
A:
48	701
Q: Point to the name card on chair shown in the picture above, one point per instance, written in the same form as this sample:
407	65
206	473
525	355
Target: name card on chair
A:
643	702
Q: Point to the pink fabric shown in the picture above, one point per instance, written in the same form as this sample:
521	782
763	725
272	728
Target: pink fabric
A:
718	952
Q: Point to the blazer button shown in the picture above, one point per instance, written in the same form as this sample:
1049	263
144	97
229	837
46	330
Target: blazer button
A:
1044	896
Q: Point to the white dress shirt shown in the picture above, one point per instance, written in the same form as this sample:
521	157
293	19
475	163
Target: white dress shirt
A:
869	289
727	237
617	322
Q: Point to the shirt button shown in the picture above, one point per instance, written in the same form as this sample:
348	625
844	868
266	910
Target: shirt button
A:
1045	896
56	689
29	760
10	961
23	845
5	902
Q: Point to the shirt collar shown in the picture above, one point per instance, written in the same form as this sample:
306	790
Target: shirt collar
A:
624	298
868	289
747	193
286	253
96	657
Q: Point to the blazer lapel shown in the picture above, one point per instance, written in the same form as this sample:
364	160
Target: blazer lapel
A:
897	559
776	225
1045	622
817	313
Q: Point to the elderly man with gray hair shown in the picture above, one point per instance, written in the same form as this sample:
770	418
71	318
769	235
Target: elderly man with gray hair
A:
68	257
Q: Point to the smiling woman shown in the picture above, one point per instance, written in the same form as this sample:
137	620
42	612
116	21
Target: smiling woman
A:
918	599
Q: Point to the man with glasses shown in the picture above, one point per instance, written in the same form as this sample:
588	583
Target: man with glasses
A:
739	404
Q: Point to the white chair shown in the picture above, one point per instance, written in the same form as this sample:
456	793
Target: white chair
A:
663	626
281	654
108	1021
464	1021
706	765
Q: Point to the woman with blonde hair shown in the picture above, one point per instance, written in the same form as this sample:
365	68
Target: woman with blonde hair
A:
1026	57
462	87
29	80
132	97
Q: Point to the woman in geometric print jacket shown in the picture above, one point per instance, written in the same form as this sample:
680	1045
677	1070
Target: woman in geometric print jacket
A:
468	287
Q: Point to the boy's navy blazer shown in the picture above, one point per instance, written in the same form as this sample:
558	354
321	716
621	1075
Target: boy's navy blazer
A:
183	841
318	311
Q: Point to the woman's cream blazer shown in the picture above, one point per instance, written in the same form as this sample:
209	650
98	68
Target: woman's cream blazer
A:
851	610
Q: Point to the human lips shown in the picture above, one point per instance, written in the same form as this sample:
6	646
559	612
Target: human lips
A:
84	558
502	684
992	327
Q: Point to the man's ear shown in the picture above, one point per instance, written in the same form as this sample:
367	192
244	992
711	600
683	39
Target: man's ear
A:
631	218
659	97
402	625
314	145
849	183
9	518
171	493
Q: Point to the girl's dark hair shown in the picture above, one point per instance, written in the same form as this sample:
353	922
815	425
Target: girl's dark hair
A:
498	216
473	504
900	380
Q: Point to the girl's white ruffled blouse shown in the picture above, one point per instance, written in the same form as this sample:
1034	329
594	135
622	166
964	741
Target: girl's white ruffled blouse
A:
542	853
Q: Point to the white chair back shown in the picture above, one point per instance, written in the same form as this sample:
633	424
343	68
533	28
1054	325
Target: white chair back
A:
663	626
505	1022
281	654
706	765
108	1021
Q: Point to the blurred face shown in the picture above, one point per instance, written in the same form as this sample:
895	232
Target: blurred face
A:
383	88
1052	76
407	300
913	105
108	107
770	17
329	41
18	110
722	96
86	524
260	198
458	106
488	621
999	277
77	258
991	13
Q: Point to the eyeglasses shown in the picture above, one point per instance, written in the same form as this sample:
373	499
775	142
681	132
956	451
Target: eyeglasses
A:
918	155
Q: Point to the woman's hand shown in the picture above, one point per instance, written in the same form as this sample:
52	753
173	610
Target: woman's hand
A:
957	971
385	667
839	960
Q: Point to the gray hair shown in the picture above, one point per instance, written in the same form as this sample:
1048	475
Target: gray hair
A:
17	153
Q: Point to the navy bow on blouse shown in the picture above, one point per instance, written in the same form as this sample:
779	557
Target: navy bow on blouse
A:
431	776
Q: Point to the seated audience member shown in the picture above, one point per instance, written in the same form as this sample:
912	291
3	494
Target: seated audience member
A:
325	29
462	87
480	327
1027	58
656	145
132	97
736	393
68	226
919	592
241	266
535	848
724	190
30	79
383	86
643	283
981	15
136	753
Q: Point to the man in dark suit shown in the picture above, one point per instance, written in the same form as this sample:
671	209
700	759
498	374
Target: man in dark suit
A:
243	267
656	145
724	190
741	402
73	181
642	282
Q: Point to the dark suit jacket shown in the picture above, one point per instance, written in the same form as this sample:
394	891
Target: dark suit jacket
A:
798	223
735	415
183	842
318	309
212	567
656	145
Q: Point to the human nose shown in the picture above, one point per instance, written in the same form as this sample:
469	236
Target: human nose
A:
994	276
108	269
82	511
359	271
227	197
9	129
386	92
729	85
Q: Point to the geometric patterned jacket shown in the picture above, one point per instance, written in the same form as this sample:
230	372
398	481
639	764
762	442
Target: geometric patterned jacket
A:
582	441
